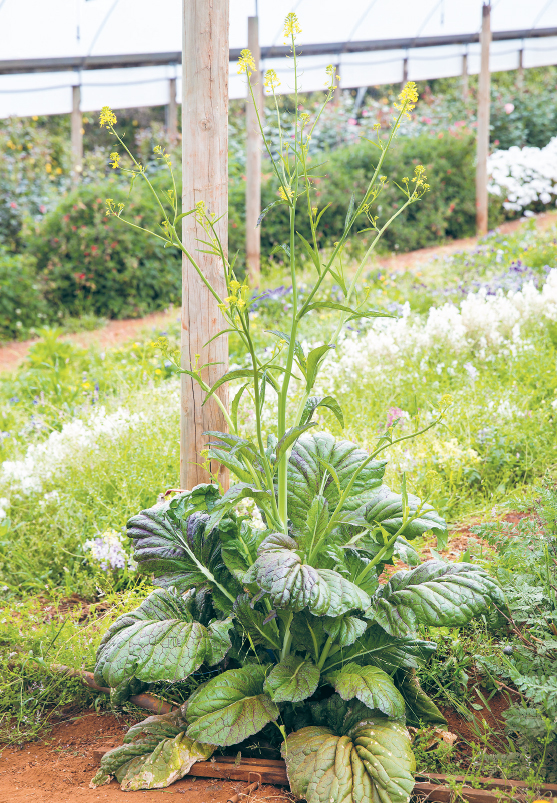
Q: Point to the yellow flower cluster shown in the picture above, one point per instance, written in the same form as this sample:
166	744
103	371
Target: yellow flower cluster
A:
112	208
291	25
107	117
237	298
332	77
408	99
115	159
160	153
246	63
287	194
271	81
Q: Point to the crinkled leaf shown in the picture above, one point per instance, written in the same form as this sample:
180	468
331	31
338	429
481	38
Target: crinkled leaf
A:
291	436
251	622
354	564
157	641
344	629
292	584
230	707
378	648
405	552
436	594
386	508
239	549
308	633
370	685
322	401
374	762
176	547
294	679
305	474
419	707
156	753
219	640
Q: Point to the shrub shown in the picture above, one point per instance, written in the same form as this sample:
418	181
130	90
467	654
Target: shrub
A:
21	303
86	268
447	212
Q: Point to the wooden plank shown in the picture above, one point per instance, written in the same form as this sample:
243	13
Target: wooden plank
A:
172	112
76	135
266	771
484	100
490	783
205	178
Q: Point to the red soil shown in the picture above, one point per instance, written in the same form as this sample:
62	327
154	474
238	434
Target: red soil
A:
59	769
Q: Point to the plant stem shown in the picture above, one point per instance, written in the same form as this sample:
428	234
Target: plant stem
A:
325	652
287	641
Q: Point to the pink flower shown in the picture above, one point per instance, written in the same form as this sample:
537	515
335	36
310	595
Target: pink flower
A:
392	414
42	209
13	205
352	121
509	107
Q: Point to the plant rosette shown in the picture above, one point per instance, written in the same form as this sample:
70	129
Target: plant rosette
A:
285	631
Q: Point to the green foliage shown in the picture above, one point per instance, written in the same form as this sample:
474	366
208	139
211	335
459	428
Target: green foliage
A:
449	212
22	306
86	268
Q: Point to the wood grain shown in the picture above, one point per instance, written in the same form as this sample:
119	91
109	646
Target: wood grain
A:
205	178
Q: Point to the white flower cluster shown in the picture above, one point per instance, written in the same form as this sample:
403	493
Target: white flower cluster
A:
482	322
108	551
524	175
43	460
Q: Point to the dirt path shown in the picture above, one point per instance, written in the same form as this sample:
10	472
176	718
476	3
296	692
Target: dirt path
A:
116	332
59	769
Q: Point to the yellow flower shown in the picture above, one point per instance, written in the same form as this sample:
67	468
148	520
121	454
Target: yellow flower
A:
240	303
115	159
157	370
408	99
48	167
446	400
285	195
271	80
246	64
235	284
107	117
291	25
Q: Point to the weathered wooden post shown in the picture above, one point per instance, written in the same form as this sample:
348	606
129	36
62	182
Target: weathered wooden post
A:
205	178
76	135
253	160
404	71
465	78
172	112
520	76
483	123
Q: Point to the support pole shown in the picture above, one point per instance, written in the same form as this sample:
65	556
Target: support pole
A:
465	78
172	112
483	124
405	72
253	161
77	135
520	77
205	178
337	95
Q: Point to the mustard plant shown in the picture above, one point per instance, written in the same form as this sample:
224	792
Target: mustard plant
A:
280	616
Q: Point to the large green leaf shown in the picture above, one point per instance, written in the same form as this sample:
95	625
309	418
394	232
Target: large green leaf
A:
436	594
344	629
292	584
373	762
378	648
306	471
230	707
419	707
371	686
175	546
157	641
155	753
385	507
294	679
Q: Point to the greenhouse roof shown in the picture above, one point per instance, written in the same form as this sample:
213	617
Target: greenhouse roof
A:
88	29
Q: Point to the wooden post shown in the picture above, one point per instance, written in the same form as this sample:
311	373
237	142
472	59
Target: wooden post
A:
172	112
405	72
76	135
337	95
205	178
253	161
483	124
520	77
465	78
